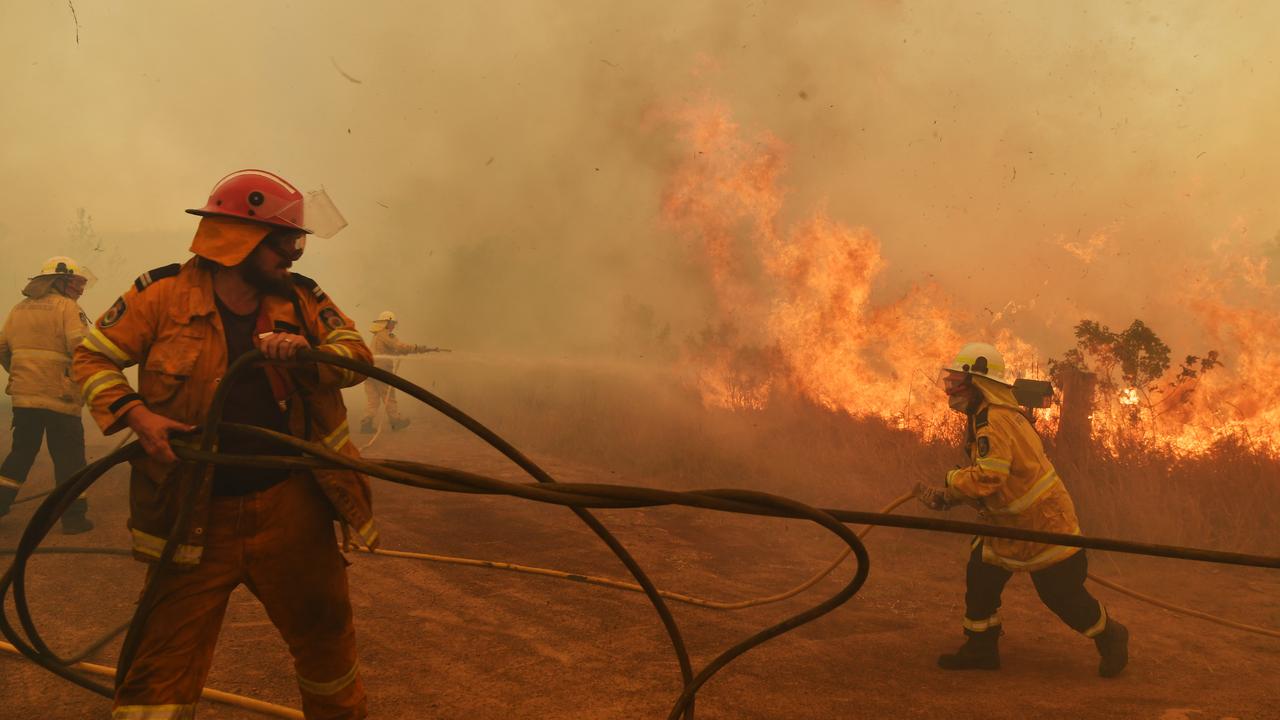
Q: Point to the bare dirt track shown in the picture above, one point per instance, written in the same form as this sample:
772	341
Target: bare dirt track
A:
441	641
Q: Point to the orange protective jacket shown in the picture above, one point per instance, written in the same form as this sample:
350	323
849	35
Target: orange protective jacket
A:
168	324
1014	483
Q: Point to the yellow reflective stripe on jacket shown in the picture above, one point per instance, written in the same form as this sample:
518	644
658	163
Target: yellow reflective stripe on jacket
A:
348	377
1042	486
339	437
981	625
100	381
154	712
7	483
332	687
1044	558
1096	629
101	344
152	546
34	353
342	334
336	349
995	465
368	533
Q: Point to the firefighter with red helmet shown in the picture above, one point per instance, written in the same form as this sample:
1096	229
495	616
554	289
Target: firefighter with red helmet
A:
269	529
1013	484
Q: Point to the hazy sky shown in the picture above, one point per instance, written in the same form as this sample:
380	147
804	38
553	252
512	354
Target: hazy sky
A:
502	164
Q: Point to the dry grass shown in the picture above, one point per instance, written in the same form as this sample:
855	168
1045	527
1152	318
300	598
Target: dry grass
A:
643	422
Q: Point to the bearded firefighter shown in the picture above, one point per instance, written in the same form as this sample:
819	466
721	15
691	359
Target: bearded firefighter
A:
385	343
36	346
270	529
1013	484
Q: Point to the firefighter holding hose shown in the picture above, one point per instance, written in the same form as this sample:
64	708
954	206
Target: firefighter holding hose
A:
270	529
1013	484
377	394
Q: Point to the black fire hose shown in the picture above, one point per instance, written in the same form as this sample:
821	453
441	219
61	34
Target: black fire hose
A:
577	496
42	521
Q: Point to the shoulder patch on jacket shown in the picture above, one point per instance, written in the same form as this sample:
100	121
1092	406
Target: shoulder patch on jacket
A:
145	279
113	314
331	318
307	283
980	419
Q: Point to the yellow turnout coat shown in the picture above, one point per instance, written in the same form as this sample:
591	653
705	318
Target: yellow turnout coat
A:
1013	482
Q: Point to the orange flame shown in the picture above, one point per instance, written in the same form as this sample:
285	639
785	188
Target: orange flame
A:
794	312
794	304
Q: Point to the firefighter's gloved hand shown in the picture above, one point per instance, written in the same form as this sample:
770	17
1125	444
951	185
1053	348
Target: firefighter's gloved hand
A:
934	498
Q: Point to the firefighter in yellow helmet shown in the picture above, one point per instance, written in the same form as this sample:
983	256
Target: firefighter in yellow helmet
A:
36	346
384	344
1013	484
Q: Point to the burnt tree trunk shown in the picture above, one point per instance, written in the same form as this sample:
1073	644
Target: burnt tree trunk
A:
1075	427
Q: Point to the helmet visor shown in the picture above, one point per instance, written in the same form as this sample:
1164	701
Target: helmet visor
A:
319	214
87	274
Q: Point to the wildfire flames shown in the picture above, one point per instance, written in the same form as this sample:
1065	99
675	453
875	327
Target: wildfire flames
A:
793	304
793	312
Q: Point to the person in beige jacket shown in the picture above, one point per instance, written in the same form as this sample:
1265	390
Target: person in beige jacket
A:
377	394
36	344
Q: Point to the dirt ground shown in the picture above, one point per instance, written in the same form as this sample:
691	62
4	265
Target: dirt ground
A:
442	641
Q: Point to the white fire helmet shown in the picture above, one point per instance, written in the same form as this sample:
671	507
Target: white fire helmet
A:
63	266
384	317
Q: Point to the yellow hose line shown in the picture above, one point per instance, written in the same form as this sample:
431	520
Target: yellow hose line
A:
373	439
742	604
380	415
1269	632
623	585
218	696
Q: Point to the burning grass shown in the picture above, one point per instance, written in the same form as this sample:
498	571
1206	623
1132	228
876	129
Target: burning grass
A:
648	425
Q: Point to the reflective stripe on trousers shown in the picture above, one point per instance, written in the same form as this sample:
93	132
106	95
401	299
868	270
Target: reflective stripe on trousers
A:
332	687
981	625
154	712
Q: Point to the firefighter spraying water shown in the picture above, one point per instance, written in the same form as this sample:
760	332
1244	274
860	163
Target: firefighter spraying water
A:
386	346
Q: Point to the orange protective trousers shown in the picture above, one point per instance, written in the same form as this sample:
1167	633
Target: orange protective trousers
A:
280	543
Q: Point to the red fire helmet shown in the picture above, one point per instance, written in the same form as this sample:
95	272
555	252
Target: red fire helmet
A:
257	196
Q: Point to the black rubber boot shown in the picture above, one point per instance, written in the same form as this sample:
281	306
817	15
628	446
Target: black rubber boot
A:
366	425
980	652
76	524
7	496
1113	646
399	423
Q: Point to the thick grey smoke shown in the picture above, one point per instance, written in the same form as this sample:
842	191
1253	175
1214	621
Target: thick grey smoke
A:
502	165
